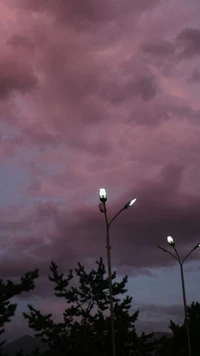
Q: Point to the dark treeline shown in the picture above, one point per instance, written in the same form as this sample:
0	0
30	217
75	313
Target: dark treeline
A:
85	328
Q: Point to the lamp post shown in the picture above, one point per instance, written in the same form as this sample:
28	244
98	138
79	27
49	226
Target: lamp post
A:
171	242
102	208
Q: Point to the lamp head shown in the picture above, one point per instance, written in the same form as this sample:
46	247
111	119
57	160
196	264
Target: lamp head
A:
170	241
197	246
102	195
130	203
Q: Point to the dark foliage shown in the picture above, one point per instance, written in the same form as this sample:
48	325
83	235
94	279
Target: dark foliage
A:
8	290
85	328
179	346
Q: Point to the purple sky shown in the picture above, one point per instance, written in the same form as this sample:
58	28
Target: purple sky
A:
101	93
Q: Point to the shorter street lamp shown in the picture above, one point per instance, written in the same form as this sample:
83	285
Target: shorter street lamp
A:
102	208
171	242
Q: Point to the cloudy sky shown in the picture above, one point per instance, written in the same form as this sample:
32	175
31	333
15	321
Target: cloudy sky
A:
101	93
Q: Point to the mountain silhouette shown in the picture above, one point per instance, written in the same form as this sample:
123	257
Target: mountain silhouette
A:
159	334
26	343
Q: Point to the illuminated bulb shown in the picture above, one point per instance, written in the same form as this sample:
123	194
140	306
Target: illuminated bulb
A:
102	195
132	202
170	240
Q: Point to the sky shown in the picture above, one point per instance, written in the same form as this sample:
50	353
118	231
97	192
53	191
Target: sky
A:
100	94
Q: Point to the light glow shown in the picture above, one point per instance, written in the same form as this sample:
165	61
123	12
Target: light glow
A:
132	202
170	240
102	195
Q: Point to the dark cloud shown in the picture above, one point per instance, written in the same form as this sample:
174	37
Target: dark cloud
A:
189	42
144	87
156	318
160	48
139	82
20	41
15	76
159	111
88	14
41	136
81	14
167	310
134	271
162	209
185	111
194	77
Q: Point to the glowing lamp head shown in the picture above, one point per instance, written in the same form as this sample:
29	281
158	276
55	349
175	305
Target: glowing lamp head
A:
102	195
130	203
170	241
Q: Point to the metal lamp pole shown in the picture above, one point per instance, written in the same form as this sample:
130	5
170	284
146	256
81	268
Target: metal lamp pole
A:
171	242
102	208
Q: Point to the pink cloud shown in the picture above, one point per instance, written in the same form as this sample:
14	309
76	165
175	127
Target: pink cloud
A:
15	75
99	93
86	15
96	96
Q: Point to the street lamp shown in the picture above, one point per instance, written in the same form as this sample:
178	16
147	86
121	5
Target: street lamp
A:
102	208
171	242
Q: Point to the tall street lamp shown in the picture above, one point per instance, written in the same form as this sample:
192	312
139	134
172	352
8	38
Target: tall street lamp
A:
171	242
102	208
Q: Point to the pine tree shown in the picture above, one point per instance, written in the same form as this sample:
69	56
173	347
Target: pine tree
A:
85	328
180	346
8	290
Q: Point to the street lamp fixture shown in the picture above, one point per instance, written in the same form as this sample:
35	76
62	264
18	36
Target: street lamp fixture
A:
102	195
130	203
171	242
102	208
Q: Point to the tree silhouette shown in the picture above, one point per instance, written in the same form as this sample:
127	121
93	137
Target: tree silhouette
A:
8	290
85	328
163	346
179	332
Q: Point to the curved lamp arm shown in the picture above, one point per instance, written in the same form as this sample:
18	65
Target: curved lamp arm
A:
164	250
194	248
130	203
119	212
